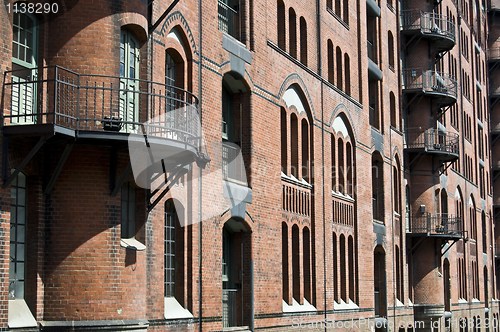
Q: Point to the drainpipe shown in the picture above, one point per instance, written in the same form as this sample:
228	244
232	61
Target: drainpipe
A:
318	10
200	228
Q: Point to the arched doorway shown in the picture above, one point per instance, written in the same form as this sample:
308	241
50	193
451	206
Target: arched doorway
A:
236	274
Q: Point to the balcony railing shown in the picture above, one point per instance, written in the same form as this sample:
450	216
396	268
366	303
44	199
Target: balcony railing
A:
296	197
432	140
442	224
229	20
229	307
233	167
428	23
57	96
429	81
494	54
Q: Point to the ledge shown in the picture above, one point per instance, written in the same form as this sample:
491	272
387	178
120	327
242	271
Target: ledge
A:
132	244
96	325
296	307
372	9
20	315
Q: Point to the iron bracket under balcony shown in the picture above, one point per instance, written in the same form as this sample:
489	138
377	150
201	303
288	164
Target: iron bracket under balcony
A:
430	26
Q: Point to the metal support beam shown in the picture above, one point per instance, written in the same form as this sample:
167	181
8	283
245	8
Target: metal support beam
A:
168	181
162	17
443	253
25	161
59	167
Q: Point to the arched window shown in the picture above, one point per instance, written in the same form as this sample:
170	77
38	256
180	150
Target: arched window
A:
305	150
129	79
281	25
331	74
377	187
346	11
292	30
336	294
338	8
341	165
334	163
284	142
24	64
306	240
339	66
303	41
349	170
294	137
394	116
295	263
350	252
390	44
347	65
18	266
128	203
343	269
284	257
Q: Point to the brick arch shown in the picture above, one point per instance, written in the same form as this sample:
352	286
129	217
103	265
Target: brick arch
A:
247	80
177	19
295	79
247	222
342	111
136	23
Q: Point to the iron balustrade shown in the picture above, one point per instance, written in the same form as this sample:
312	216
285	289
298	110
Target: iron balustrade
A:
494	54
54	95
229	307
432	140
427	23
429	81
438	224
229	20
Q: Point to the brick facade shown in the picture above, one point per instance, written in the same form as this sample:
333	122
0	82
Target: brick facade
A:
364	197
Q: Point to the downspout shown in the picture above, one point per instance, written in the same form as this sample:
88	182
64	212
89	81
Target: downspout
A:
318	10
394	264
200	279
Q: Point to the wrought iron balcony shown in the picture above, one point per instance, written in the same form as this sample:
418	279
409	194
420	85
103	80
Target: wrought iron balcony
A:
433	141
430	26
54	98
434	84
439	225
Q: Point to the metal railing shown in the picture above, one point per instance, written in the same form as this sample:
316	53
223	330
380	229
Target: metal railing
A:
427	23
439	224
429	81
432	140
54	95
494	53
229	307
233	167
229	20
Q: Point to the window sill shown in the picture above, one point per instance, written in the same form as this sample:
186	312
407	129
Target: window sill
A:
296	307
345	306
132	244
20	315
174	310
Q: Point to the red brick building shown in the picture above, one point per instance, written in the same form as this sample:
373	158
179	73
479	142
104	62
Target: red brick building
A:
249	165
